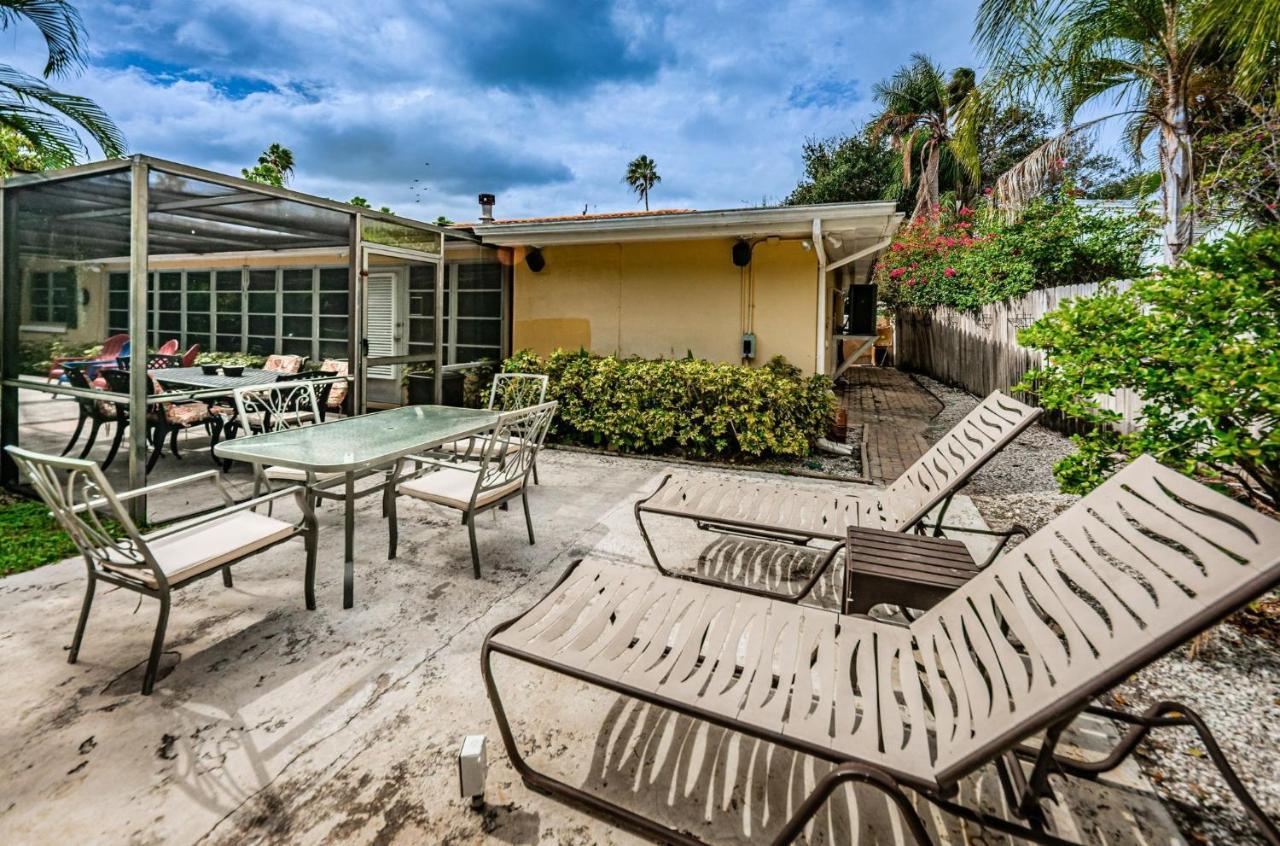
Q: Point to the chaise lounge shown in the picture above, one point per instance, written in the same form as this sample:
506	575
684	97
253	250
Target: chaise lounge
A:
1142	564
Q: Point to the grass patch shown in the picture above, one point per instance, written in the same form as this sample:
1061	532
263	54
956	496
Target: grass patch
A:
32	537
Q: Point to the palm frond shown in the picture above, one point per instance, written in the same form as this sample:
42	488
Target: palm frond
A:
88	115
1253	28
60	25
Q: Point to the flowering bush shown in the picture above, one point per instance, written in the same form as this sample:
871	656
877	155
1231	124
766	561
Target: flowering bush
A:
689	406
966	258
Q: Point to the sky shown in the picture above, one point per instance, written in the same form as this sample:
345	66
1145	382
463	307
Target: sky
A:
421	105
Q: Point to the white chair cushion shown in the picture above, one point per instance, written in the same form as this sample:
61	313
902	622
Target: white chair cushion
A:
210	545
453	488
289	474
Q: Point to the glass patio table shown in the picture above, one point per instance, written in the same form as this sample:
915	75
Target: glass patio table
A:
357	447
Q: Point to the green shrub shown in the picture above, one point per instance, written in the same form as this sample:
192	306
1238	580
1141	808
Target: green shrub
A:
32	537
35	357
1199	343
685	406
964	259
234	359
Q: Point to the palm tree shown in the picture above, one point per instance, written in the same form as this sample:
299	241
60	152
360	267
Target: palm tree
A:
274	167
642	175
919	111
1253	28
1149	56
35	112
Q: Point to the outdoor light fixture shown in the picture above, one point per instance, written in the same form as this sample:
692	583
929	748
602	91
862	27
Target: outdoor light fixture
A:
741	252
534	259
84	296
472	769
807	244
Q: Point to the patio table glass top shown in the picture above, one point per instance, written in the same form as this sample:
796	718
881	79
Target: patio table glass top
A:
359	443
194	377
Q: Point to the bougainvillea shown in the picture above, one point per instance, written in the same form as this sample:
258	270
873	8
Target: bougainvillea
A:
965	258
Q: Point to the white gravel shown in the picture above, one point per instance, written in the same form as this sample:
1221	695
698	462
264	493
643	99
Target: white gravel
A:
1233	683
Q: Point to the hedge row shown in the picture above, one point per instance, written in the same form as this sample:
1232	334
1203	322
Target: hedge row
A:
689	406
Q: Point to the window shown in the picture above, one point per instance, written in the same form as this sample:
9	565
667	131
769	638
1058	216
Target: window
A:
53	297
474	311
293	310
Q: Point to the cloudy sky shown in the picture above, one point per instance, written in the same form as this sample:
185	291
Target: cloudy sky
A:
421	105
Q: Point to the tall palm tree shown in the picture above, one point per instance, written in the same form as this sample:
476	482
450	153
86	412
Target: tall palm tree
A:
919	110
642	175
37	113
1253	28
1148	56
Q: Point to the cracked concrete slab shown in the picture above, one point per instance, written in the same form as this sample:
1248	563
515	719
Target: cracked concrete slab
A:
278	725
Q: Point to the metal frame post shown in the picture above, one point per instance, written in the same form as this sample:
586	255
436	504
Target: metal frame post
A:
9	322
442	273
138	266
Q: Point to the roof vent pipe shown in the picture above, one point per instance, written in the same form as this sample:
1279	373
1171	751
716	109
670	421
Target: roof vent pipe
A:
486	208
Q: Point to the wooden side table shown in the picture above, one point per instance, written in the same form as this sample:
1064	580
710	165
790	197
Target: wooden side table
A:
895	568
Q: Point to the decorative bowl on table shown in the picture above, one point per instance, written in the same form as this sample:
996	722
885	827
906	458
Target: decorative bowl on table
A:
233	370
210	369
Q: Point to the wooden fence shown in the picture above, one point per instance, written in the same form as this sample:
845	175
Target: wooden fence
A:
979	351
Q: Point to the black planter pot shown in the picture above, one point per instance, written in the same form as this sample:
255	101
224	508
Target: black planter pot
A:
421	389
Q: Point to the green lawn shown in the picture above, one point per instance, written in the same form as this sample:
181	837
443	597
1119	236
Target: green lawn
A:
31	537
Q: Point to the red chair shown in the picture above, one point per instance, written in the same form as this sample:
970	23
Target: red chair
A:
169	347
189	357
110	352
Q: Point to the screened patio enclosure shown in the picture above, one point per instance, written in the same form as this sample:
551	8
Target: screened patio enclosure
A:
159	251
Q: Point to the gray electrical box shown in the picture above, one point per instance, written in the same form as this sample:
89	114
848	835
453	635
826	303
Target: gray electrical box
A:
748	344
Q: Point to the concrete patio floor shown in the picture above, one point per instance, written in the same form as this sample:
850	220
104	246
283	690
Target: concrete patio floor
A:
276	724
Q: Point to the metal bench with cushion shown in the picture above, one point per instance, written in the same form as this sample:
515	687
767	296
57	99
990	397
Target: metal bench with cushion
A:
783	513
1142	564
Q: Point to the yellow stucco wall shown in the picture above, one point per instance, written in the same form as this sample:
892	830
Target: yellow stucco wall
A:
669	298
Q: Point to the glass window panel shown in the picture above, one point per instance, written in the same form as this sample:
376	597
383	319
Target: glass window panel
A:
488	332
262	324
295	279
334	278
118	300
229	323
229	302
198	280
421	330
466	355
333	327
197	302
228	280
422	277
333	349
295	303
171	301
168	321
262	280
294	327
170	281
202	340
262	303
333	303
481	304
197	323
486	276
294	346
229	343
118	281
260	346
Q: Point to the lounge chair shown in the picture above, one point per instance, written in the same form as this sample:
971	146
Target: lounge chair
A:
1142	564
157	563
783	513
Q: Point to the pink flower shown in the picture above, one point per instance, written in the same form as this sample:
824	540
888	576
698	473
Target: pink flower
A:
988	191
897	247
965	211
897	272
910	283
949	272
964	225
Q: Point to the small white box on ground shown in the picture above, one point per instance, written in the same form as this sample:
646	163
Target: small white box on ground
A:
472	769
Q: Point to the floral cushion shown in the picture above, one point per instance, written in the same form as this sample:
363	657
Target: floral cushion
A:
283	363
106	408
339	390
185	413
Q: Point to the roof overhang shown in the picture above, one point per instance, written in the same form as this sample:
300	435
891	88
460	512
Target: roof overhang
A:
860	220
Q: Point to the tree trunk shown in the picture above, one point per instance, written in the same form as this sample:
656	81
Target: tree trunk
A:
1176	182
927	191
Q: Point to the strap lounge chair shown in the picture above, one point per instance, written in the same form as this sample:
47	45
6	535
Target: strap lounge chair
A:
1139	566
157	563
781	513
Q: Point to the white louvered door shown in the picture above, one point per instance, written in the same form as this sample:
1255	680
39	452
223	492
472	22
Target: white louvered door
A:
381	319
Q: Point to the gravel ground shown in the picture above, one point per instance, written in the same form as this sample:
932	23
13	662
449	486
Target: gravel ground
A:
1233	682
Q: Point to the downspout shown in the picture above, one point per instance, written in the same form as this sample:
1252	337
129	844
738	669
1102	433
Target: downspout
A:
820	357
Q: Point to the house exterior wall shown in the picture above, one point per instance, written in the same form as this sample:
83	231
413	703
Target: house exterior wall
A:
668	299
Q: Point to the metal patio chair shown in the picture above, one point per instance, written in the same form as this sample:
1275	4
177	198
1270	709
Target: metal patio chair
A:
508	392
157	563
1141	565
98	412
781	513
501	475
274	407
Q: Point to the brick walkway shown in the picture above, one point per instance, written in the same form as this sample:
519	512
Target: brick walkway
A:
894	412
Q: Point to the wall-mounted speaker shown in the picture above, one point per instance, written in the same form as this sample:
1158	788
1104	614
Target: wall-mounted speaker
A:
741	253
535	260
